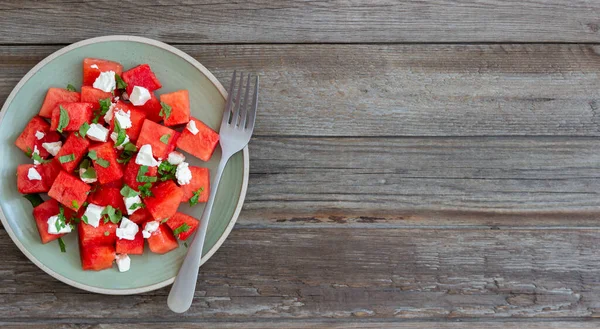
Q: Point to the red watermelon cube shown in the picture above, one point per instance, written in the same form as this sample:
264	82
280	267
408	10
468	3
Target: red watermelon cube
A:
136	116
78	114
27	141
69	190
151	134
56	96
141	216
91	73
78	147
131	173
181	221
141	76
93	96
131	247
108	196
41	213
179	102
105	163
25	185
200	180
49	172
202	145
164	201
162	240
152	108
96	258
105	234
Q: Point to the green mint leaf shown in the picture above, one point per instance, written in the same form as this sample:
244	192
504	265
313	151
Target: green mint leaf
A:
84	129
121	134
120	83
89	173
106	233
164	220
29	152
84	219
128	192
102	163
194	199
165	111
142	178
93	155
75	204
165	138
105	105
114	215
66	158
129	147
183	228
166	171
145	190
63	120
136	206
70	87
35	199
61	244
38	158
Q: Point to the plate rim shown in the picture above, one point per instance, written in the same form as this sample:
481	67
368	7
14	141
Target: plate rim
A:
222	91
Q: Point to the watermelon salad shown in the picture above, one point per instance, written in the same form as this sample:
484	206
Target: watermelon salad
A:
111	159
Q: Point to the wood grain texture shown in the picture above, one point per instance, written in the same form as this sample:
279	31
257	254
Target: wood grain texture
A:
399	90
315	324
306	21
346	274
423	181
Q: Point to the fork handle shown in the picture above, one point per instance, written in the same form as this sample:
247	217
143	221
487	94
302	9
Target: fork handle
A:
182	291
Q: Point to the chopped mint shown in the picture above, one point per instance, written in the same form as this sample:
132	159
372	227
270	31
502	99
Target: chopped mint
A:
70	87
194	199
63	120
66	158
128	192
183	228
84	129
142	178
165	138
165	111
120	83
61	244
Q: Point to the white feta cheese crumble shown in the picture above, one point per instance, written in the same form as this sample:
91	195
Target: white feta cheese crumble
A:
183	173
114	137
150	228
97	133
129	202
127	229
52	226
145	158
35	151
109	114
53	147
106	81
39	135
191	126
175	158
33	174
124	118
94	66
123	262
139	96
94	214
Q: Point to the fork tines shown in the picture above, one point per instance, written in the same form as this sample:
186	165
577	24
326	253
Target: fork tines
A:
238	112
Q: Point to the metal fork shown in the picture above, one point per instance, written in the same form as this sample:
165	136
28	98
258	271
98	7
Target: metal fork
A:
236	129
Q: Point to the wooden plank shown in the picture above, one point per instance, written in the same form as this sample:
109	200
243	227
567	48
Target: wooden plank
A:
306	21
347	274
396	90
423	181
315	324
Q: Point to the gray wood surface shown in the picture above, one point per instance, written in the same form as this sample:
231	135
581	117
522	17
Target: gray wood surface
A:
401	90
265	21
425	164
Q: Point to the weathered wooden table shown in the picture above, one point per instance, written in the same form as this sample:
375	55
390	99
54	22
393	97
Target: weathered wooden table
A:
418	164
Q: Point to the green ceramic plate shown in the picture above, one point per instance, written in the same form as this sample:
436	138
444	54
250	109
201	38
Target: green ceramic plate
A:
176	70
